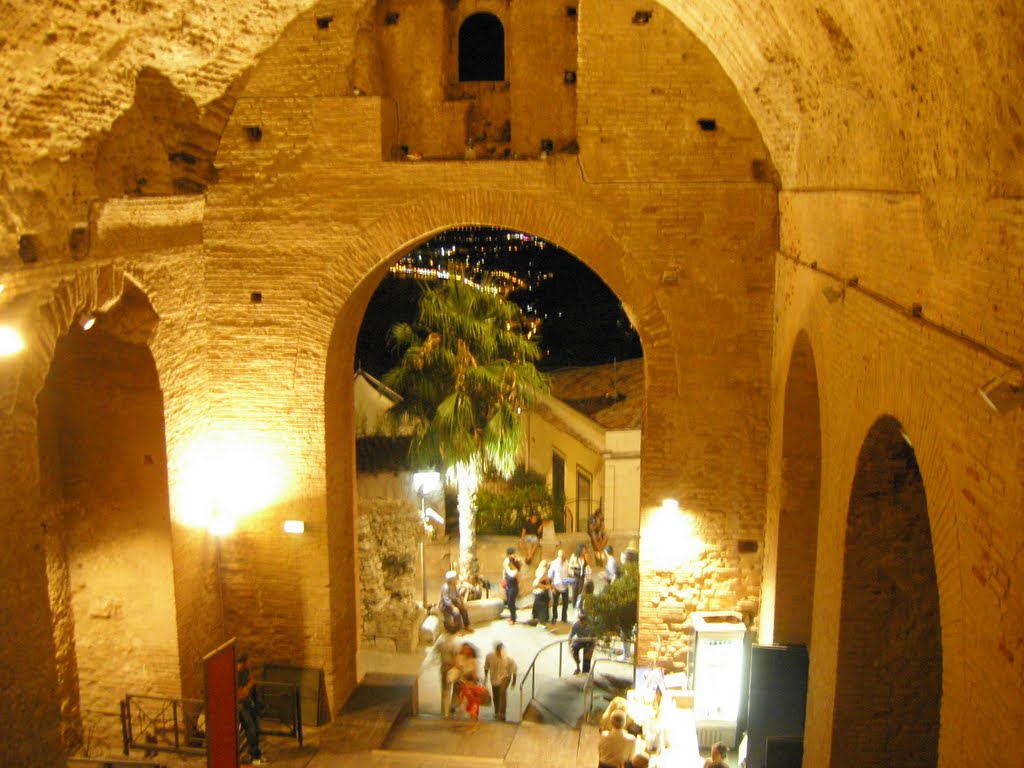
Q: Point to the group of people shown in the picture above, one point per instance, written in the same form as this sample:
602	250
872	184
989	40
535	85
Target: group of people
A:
463	687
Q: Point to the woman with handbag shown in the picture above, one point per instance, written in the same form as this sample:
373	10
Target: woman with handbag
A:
472	693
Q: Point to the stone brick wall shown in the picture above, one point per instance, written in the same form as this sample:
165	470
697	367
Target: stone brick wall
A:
873	358
106	485
851	101
389	534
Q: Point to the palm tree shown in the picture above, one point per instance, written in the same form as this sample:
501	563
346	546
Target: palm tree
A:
465	375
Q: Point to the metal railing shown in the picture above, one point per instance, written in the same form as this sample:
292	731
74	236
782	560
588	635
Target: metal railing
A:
531	673
161	724
589	685
282	703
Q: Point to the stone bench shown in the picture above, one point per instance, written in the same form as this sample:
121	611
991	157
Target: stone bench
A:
480	612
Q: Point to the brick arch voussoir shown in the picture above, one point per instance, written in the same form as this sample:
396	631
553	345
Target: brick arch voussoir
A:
396	231
91	289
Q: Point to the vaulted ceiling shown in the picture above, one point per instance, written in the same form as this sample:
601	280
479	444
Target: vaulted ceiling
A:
908	95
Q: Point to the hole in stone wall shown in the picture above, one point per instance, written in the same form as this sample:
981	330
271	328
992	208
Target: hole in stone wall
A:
182	157
707	123
391	18
254	132
570	77
547	145
28	248
78	241
758	170
570	11
323	22
256	297
746	546
642	17
147	459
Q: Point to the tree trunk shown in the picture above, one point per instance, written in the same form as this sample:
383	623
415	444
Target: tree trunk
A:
467	480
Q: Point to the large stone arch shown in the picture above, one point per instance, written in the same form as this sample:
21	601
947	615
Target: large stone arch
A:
349	291
108	436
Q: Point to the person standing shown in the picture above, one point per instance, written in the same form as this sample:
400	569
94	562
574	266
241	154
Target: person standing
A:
472	692
541	594
579	570
448	650
611	565
247	714
558	572
581	638
501	669
510	580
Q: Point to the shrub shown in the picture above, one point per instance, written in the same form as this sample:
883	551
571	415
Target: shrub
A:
502	506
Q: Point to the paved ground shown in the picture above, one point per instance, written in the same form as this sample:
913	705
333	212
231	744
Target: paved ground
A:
548	735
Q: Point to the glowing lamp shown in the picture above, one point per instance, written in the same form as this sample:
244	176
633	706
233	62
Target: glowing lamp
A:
426	482
294	526
11	342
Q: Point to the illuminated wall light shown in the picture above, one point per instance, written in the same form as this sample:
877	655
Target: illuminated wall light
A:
669	540
294	526
219	482
87	321
11	342
220	524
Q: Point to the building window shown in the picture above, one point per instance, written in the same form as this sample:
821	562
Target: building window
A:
481	49
583	498
558	490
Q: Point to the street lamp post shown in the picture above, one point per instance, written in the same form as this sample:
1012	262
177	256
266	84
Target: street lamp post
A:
425	483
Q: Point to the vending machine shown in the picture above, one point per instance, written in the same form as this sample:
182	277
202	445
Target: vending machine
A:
717	663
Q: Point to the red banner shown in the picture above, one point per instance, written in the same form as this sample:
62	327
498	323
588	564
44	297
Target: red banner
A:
221	708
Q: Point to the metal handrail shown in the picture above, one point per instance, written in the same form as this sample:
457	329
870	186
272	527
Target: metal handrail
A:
162	724
588	684
531	673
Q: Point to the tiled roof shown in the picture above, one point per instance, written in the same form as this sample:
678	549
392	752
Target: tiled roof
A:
610	394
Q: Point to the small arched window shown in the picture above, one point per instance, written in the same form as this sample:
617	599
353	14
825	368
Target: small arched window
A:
481	48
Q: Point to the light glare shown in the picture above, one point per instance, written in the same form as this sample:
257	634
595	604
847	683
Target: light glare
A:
11	342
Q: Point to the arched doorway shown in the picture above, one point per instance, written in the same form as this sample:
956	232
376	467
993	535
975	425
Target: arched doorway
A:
481	49
799	500
592	342
889	675
104	502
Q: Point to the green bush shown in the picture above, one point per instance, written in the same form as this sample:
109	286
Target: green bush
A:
502	506
613	611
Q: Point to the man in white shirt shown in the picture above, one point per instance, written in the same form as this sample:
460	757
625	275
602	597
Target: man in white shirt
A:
501	669
616	748
558	572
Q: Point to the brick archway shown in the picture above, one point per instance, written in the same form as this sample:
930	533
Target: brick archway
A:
794	542
890	671
381	245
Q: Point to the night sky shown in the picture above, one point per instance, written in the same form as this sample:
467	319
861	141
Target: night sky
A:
583	321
